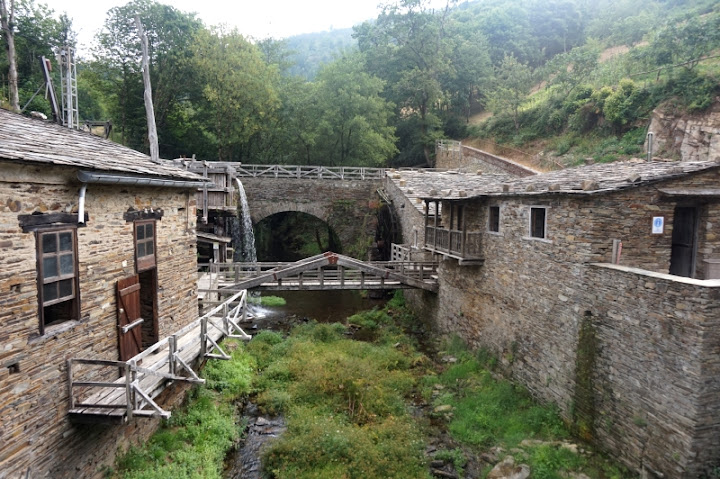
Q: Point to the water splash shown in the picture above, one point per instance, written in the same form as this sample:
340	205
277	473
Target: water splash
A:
243	235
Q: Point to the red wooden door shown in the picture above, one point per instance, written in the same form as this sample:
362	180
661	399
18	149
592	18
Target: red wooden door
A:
129	321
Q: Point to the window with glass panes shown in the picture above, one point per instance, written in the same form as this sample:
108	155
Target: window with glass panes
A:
57	276
145	244
494	219
538	218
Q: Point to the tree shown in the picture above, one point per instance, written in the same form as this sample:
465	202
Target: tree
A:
170	34
238	88
354	117
36	32
513	81
408	47
7	23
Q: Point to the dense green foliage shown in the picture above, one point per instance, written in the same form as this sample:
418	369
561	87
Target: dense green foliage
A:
489	412
347	406
563	69
194	442
309	51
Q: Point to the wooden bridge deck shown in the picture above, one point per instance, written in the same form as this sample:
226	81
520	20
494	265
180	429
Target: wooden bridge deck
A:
96	398
328	271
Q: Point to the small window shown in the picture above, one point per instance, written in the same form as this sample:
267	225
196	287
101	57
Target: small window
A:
494	219
537	222
145	244
57	276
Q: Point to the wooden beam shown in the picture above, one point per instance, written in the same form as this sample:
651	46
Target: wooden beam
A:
30	223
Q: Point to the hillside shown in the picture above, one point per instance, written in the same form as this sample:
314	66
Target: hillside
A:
595	102
308	52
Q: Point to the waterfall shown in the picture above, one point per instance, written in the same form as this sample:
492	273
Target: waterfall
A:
242	234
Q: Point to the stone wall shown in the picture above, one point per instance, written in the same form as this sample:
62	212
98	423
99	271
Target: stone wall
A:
472	159
33	376
628	354
349	207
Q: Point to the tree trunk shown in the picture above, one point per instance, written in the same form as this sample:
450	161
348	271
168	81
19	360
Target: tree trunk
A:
7	19
149	109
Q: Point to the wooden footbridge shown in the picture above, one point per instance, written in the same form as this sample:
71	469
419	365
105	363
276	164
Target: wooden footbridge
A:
98	395
95	397
327	271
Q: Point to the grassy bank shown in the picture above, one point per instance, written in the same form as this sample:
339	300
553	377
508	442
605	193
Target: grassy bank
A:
484	412
349	407
193	443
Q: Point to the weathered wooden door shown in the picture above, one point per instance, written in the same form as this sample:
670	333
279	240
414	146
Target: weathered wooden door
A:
129	320
684	238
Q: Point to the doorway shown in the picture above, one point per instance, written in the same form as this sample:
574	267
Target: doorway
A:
684	241
148	307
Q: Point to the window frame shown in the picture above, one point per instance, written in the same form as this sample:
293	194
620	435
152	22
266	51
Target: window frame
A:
146	261
532	222
490	219
43	280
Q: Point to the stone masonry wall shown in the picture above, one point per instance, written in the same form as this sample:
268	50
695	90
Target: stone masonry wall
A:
650	392
33	385
349	207
472	159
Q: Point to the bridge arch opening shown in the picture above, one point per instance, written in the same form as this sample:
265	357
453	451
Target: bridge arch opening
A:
293	235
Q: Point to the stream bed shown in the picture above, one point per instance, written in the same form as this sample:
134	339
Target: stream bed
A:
300	307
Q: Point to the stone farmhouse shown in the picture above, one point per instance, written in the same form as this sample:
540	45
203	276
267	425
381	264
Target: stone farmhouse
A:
98	260
599	289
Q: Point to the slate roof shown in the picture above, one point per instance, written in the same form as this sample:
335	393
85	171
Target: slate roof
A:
583	180
30	140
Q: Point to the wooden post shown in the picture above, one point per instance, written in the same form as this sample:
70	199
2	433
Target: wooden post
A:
70	384
172	347
149	110
427	219
203	337
437	203
225	317
128	391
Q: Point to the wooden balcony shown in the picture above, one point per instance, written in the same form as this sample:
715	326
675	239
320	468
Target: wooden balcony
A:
464	246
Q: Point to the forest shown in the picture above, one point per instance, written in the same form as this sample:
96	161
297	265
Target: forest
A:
573	78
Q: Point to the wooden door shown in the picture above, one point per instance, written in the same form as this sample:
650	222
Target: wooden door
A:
129	320
684	239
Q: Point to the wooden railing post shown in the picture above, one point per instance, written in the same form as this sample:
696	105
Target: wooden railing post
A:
225	317
172	347
128	391
203	337
70	384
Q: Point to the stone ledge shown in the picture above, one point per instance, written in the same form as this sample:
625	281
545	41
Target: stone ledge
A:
707	283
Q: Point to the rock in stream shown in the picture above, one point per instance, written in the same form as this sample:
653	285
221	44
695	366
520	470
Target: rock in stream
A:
260	431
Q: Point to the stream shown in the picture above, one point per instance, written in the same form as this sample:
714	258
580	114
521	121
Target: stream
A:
301	306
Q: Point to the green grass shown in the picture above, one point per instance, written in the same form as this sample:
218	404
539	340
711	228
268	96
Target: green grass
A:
346	406
267	300
344	400
488	411
193	443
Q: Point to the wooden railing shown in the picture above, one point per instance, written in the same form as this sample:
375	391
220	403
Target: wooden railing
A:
315	273
310	172
134	392
458	243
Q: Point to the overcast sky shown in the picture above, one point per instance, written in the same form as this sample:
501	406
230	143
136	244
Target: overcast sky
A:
256	18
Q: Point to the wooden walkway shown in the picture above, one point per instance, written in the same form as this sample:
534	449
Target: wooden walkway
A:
327	271
96	398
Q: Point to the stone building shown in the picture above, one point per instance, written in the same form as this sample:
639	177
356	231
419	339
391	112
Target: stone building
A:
90	232
597	287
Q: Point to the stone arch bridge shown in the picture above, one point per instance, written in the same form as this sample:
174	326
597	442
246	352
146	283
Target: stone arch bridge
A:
346	198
